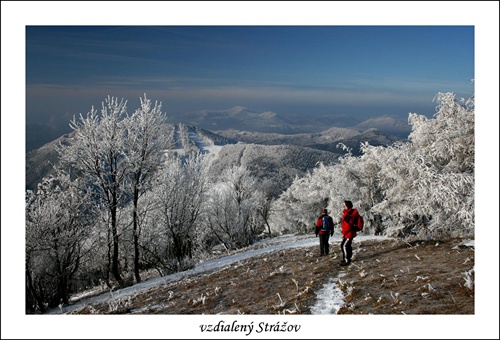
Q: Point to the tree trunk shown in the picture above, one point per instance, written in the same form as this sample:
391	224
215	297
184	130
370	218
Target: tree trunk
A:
136	236
115	270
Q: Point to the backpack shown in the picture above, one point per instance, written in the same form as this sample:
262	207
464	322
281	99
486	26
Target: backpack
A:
358	223
325	224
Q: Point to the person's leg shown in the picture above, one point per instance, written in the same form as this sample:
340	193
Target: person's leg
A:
342	244
348	247
321	245
327	245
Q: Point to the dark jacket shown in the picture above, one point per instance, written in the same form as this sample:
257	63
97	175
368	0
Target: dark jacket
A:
319	225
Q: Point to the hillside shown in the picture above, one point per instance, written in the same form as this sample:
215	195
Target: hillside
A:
40	162
387	276
299	139
326	140
277	165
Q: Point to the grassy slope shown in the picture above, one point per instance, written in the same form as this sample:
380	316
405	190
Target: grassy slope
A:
386	277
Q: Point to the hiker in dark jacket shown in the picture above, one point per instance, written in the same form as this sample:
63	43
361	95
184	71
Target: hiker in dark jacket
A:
347	233
324	228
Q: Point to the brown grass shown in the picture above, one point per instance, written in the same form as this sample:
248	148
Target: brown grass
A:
386	277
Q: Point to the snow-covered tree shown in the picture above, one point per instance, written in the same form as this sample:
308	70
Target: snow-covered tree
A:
297	207
171	234
59	216
97	152
232	209
147	137
428	184
447	140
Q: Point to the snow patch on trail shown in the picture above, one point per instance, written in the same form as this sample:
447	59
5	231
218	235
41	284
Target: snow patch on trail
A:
330	298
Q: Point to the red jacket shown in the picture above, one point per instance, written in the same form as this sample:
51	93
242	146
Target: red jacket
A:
319	224
346	225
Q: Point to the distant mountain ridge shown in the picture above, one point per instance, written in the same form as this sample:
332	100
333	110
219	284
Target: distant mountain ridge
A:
245	119
237	116
386	124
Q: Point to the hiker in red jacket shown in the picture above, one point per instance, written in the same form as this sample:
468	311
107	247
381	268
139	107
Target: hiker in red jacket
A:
347	233
324	228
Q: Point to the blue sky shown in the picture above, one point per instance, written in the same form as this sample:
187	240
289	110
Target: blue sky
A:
289	69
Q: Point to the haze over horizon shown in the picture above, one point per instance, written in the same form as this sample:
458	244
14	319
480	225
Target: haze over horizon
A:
359	71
